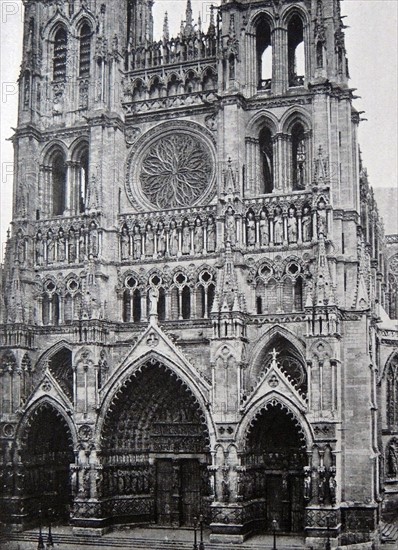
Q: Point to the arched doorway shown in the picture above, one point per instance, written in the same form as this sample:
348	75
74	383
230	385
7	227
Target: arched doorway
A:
274	460
46	456
155	447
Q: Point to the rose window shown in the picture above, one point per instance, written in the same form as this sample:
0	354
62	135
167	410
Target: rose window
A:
173	165
176	170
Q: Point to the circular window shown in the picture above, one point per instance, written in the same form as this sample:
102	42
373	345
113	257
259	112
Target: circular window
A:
172	167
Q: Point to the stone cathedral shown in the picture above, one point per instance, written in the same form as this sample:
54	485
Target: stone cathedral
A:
198	299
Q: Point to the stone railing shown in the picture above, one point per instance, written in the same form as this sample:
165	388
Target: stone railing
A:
175	51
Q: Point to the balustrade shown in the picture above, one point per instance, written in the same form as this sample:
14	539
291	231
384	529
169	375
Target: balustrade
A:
176	50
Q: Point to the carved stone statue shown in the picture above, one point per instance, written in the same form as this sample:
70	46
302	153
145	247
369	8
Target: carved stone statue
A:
292	226
93	240
161	240
50	247
198	237
264	229
153	295
39	248
322	225
307	483
393	459
72	245
173	239
149	241
250	229
332	486
306	225
230	226
211	235
186	238
137	243
61	246
278	226
82	246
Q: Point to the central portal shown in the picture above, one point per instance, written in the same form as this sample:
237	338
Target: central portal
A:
155	451
178	492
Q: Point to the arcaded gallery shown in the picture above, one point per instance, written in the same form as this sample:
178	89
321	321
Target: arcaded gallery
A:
199	306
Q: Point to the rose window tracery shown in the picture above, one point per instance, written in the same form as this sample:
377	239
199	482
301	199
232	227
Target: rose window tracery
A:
172	166
175	171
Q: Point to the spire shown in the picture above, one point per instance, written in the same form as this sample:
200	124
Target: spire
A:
166	32
212	26
188	19
324	293
199	24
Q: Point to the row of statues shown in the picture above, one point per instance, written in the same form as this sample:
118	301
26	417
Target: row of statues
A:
77	245
173	239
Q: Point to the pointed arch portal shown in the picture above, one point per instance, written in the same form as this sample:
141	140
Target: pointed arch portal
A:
46	455
274	467
155	448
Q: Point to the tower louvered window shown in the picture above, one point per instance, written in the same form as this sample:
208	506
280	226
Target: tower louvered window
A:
85	51
60	53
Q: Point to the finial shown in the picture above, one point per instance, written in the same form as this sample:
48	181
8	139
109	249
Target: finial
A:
166	32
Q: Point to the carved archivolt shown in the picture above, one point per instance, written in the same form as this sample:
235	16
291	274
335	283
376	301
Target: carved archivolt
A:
171	166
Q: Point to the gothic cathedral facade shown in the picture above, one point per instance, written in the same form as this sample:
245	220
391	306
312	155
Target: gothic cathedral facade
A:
190	314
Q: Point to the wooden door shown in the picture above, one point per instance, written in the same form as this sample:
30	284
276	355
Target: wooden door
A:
274	502
190	491
165	512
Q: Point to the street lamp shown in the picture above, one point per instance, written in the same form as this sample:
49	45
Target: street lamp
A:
195	540
328	545
201	544
274	526
40	543
50	542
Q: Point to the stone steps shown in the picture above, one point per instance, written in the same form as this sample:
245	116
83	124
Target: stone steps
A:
132	543
389	533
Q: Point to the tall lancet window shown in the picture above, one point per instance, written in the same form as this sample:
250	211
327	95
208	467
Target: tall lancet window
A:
264	54
58	170
296	54
85	50
60	54
299	157
83	180
267	159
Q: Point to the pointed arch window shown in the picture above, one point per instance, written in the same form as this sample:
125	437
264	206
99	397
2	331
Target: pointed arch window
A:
205	295
392	394
296	53
85	50
59	174
267	159
60	54
264	54
83	168
299	157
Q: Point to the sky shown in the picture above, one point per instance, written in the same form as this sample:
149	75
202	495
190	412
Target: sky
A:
371	42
